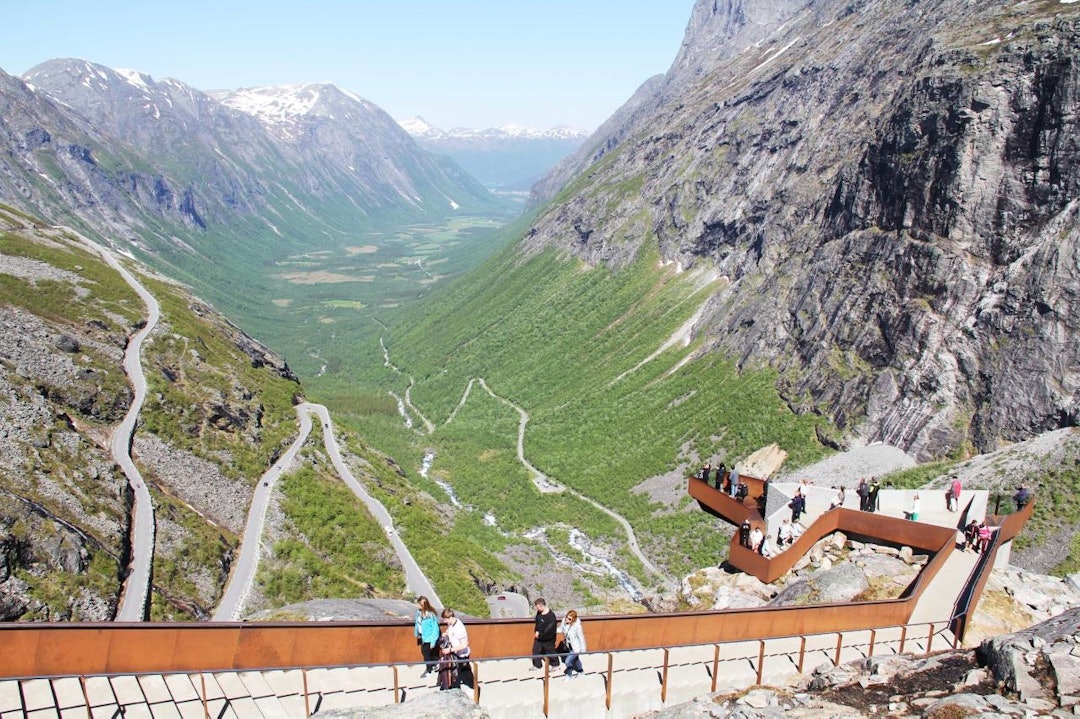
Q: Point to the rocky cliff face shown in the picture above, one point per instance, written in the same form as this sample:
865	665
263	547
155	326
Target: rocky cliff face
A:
892	191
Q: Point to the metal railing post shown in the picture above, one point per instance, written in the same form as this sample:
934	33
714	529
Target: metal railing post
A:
839	643
903	638
610	672
873	637
802	652
476	682
930	639
205	705
715	666
663	678
547	682
760	660
307	698
86	697
397	692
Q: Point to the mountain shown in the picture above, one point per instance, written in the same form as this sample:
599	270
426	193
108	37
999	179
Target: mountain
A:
889	194
205	189
219	405
508	157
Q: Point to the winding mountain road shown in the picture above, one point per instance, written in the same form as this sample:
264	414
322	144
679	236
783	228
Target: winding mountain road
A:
133	599
246	564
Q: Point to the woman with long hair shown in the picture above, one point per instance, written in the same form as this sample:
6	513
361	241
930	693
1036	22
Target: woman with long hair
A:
574	636
426	630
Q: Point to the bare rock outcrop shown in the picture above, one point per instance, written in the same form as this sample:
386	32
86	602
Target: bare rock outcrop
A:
891	194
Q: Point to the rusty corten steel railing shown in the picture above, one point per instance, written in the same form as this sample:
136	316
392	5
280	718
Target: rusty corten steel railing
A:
1008	526
87	649
927	537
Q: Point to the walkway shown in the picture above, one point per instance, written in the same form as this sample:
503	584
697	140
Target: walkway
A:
640	681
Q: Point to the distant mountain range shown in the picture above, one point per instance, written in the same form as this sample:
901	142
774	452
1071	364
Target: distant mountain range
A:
508	158
206	185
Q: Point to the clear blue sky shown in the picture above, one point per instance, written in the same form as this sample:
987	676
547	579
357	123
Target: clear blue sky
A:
458	63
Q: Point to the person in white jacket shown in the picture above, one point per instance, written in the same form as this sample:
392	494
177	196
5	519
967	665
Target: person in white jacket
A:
574	636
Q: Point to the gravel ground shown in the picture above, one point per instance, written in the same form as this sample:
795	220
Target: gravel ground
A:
846	468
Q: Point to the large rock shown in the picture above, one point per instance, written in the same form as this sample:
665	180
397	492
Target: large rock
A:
839	584
1013	657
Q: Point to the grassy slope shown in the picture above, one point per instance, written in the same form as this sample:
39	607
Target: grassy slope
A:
552	335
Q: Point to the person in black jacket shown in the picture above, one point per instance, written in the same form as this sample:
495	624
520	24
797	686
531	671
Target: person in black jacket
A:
546	626
798	506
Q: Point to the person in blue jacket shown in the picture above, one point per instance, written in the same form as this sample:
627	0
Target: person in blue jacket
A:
426	630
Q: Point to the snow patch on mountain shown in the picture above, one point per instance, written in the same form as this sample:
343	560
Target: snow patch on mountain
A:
420	128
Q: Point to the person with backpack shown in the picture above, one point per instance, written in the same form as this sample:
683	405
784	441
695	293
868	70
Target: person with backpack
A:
426	631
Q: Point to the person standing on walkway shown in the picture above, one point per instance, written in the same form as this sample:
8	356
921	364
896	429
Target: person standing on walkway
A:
721	473
955	488
457	649
864	492
985	533
426	631
872	495
706	473
744	533
915	508
574	636
545	627
734	484
798	506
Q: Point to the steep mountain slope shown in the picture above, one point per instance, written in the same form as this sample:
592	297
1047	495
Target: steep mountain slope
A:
892	194
218	407
716	32
207	191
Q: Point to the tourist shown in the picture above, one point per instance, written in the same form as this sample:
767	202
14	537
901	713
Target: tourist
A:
545	627
984	537
783	534
840	497
744	533
954	492
915	508
971	536
872	495
766	550
426	631
798	505
756	536
1022	497
796	532
456	649
721	475
574	636
864	492
733	482
706	473
742	491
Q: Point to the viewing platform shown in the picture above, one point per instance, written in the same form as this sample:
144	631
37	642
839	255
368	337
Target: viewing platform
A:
636	663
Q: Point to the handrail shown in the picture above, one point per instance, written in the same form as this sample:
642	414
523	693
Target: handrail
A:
84	649
1008	528
759	666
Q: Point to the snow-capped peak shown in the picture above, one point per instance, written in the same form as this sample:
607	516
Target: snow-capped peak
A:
421	128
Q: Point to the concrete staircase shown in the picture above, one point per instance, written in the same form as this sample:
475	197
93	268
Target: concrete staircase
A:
509	688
